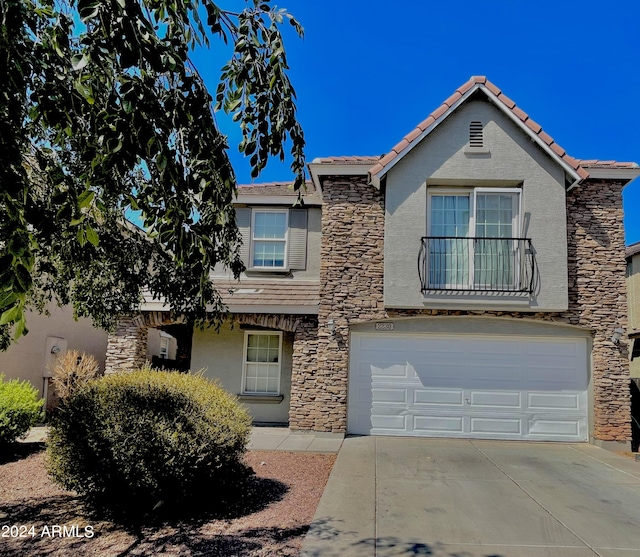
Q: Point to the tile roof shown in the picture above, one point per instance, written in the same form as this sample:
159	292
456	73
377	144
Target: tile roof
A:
632	250
275	188
477	82
606	164
264	292
354	159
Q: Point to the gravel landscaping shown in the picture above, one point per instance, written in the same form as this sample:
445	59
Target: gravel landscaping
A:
270	517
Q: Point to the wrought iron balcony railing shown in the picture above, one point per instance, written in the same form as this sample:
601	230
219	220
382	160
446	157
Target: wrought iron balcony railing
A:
477	264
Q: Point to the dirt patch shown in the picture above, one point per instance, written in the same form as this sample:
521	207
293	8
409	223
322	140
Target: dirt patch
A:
271	517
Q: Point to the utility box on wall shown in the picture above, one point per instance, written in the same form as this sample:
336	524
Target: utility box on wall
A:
54	347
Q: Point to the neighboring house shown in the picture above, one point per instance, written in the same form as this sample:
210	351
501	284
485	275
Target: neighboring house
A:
32	356
470	283
633	292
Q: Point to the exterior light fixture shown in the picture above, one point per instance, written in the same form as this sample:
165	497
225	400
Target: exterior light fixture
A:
331	326
617	335
55	349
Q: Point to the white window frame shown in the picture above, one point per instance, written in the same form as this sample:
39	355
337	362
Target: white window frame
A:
285	266
471	193
244	390
164	348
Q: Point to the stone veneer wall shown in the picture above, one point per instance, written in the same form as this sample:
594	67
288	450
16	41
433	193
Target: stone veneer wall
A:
309	390
350	290
351	277
126	346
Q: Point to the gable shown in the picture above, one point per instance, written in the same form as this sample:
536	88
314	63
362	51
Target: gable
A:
445	157
445	161
478	85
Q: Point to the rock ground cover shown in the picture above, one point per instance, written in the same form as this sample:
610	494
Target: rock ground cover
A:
271	517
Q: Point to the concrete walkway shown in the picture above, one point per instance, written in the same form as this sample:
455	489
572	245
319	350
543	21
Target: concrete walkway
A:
283	439
262	439
401	496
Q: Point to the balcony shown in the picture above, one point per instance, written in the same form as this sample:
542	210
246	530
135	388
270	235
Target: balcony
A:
477	264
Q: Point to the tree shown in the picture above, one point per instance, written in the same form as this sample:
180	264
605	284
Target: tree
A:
103	111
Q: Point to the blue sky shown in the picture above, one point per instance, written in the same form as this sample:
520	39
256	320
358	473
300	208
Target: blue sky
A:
368	72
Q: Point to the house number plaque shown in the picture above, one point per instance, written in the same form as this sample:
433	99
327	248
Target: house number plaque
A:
384	326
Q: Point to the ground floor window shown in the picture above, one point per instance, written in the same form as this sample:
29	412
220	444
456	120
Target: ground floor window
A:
164	348
262	362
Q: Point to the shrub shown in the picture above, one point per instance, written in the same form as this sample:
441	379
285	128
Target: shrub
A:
73	370
131	441
20	409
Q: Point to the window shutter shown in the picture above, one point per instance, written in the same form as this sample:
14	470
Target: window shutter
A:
298	239
243	220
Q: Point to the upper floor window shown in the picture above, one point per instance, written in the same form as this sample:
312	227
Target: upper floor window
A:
473	239
274	239
269	239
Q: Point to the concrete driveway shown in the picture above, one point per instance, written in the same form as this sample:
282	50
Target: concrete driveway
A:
400	496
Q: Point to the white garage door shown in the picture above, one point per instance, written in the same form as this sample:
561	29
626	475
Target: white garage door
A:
482	387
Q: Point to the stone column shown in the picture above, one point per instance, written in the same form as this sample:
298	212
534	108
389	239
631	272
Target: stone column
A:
304	375
597	300
127	346
351	280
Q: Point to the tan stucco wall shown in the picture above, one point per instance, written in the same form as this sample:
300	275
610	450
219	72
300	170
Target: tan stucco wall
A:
441	160
633	292
456	324
26	358
220	354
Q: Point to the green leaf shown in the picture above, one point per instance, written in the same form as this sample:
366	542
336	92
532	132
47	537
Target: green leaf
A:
81	237
87	10
79	61
10	315
85	198
7	298
23	278
21	328
92	236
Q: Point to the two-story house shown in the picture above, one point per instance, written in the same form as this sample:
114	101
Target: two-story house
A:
470	283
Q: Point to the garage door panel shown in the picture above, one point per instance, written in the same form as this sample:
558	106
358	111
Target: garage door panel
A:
390	395
556	401
482	387
549	428
494	372
562	377
438	397
362	397
382	422
495	399
554	350
444	425
429	371
391	371
497	426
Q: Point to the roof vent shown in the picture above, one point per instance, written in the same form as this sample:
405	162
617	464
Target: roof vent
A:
476	138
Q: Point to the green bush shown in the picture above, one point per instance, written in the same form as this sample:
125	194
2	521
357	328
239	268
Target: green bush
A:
132	441
20	409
